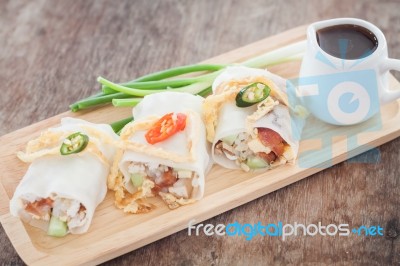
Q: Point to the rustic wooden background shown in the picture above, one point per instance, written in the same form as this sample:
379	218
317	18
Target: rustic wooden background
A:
52	51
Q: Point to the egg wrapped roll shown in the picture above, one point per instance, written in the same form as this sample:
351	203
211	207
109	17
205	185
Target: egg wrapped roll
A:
67	177
250	122
171	165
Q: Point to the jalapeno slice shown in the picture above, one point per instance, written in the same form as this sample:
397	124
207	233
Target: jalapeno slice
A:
74	143
252	94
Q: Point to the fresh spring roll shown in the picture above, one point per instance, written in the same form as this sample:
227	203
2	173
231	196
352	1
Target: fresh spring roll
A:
249	122
163	153
67	177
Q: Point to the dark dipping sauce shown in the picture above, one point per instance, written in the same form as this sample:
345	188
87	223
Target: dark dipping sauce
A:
347	41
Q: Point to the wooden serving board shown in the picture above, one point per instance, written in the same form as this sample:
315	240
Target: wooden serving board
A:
113	233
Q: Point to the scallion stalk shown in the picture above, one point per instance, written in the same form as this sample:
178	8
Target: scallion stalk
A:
181	70
119	125
126	102
97	100
130	93
172	72
153	85
278	56
205	92
126	90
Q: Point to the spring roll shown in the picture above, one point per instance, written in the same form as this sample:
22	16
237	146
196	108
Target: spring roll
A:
248	129
67	177
163	154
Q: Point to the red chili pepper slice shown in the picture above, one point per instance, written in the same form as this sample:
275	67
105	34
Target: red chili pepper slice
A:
167	126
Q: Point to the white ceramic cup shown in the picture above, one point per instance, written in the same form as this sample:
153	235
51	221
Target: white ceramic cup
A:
345	91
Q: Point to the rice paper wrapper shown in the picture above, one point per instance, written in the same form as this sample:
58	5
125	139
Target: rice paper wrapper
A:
81	177
159	104
187	149
241	72
232	120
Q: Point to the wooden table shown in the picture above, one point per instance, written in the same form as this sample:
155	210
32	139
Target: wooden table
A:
52	51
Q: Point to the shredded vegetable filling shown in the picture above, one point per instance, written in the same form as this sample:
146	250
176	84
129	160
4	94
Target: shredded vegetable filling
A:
250	152
166	179
68	211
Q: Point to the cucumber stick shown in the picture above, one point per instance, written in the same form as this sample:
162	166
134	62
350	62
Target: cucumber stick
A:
137	179
57	227
229	139
256	163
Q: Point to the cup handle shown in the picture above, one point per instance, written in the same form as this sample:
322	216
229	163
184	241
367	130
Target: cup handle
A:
387	94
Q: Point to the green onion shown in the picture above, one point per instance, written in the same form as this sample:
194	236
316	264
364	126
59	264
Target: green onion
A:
177	71
130	93
126	102
281	55
97	100
126	90
119	125
205	92
151	85
172	72
193	88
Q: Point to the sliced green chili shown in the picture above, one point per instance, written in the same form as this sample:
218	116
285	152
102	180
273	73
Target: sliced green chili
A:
252	94
74	143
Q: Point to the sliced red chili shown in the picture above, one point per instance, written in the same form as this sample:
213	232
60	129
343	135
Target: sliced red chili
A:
165	127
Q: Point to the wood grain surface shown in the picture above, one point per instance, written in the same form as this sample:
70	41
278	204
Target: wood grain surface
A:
52	51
